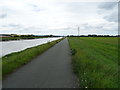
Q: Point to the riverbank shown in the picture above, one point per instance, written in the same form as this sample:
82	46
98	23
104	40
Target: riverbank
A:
15	60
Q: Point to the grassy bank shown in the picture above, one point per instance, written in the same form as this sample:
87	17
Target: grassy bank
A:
95	61
13	61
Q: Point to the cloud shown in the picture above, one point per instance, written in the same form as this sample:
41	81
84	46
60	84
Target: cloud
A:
37	8
11	25
109	11
107	5
55	17
3	16
112	17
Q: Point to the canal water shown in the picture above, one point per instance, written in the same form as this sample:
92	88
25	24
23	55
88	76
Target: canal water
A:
7	47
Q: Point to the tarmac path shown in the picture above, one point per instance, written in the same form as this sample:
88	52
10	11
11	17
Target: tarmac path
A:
52	69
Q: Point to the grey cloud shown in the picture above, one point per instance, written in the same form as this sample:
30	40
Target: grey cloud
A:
3	16
110	11
36	8
18	28
33	5
119	12
65	28
74	7
12	25
99	28
6	12
87	26
107	5
112	17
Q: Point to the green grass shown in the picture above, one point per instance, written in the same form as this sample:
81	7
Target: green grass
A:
95	61
0	69
15	60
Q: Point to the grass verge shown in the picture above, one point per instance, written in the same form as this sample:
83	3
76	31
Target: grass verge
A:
95	61
15	60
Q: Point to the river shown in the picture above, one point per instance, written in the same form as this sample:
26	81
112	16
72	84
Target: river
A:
7	47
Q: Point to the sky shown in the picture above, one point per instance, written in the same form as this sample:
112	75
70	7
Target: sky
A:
59	17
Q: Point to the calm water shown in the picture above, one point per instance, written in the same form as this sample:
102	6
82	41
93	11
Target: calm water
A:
8	47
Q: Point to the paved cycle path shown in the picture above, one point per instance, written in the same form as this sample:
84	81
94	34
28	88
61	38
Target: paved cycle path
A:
52	69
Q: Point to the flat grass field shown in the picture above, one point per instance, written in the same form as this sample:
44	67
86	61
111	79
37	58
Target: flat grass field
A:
95	61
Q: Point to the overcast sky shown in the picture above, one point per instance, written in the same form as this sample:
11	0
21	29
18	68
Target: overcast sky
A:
59	17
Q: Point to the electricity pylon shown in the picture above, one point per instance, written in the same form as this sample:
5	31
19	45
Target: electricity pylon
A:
78	31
